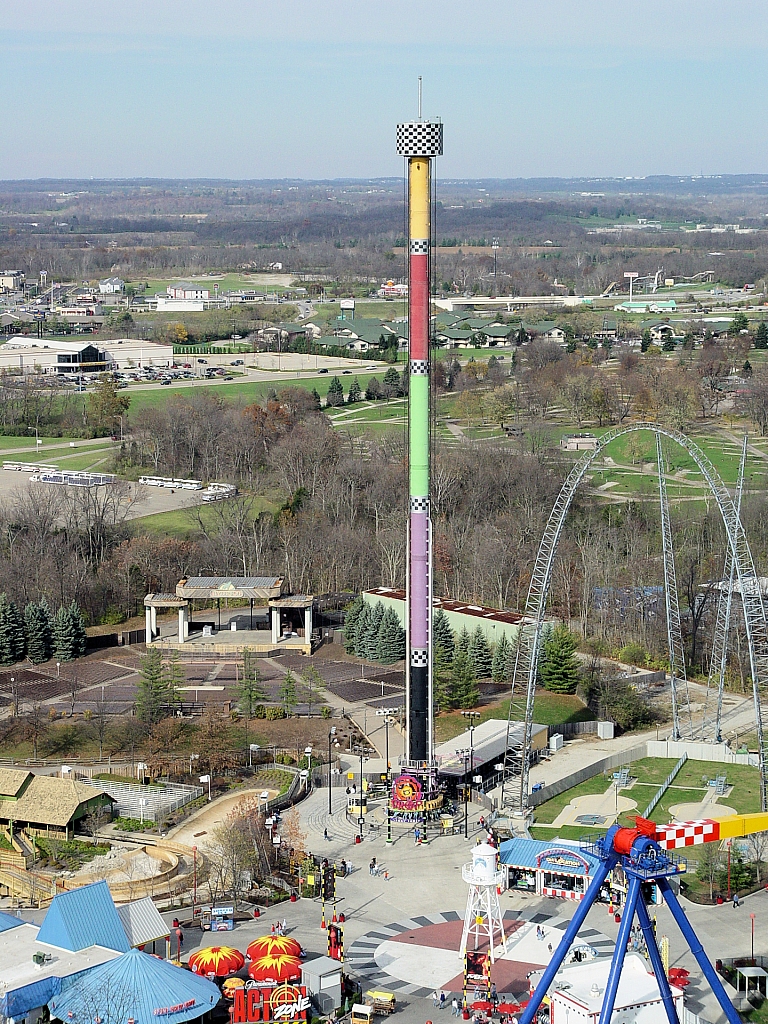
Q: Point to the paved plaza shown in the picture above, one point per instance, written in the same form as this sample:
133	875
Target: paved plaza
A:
402	932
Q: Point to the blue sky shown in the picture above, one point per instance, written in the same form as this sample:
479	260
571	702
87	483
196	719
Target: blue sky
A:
292	88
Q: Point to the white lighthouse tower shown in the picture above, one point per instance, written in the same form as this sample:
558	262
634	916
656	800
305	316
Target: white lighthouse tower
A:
483	917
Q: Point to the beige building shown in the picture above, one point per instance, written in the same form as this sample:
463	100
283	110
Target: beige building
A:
45	803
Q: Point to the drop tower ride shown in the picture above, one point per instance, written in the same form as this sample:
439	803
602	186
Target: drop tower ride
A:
419	142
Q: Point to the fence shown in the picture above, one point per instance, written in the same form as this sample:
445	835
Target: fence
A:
567	729
156	801
603	765
700	752
664	786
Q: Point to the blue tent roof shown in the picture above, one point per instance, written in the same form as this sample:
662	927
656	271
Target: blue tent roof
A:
84	917
8	921
135	985
563	858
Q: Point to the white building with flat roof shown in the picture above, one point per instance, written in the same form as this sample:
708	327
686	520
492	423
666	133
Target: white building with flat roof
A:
27	353
577	993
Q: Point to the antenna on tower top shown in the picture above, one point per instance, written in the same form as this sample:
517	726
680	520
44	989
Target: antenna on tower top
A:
419	97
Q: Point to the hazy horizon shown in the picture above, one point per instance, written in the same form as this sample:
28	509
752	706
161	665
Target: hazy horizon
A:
312	91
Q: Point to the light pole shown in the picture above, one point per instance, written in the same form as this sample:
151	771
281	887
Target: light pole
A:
194	875
331	734
471	716
193	757
753	939
364	753
252	748
142	804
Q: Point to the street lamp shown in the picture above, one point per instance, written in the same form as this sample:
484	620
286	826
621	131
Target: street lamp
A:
252	748
142	804
465	755
331	734
193	757
471	715
364	753
753	939
207	778
387	713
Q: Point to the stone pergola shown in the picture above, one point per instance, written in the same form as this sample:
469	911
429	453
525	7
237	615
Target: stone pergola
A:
154	601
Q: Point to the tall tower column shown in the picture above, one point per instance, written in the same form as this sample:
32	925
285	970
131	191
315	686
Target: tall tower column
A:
419	142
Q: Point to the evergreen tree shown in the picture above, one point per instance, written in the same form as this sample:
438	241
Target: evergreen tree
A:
249	692
174	678
151	689
61	635
361	629
12	639
37	626
335	394
391	642
351	619
462	642
480	653
80	638
465	693
560	668
370	641
392	383
500	659
761	335
373	390
405	382
288	693
442	635
746	370
442	679
316	397
355	393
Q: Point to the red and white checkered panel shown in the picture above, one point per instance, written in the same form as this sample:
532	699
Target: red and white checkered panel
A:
687	833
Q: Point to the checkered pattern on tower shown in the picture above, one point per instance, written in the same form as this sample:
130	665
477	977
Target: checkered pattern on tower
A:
688	833
420	138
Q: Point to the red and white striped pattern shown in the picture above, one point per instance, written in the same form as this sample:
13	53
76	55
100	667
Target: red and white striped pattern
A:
687	833
564	894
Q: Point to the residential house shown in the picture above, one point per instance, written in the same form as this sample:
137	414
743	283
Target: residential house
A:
111	286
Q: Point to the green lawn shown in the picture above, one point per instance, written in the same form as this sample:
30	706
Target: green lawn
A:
251	391
547	812
548	709
182	523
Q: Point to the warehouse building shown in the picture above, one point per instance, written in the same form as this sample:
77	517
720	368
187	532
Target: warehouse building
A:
47	355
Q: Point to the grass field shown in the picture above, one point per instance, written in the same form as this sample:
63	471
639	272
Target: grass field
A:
183	523
250	391
548	709
547	812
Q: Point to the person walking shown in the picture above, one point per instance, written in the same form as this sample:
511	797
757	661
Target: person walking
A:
285	927
325	834
455	1007
735	900
494	994
435	999
442	1000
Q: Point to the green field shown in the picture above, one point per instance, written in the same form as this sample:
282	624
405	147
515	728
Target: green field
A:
251	391
546	813
548	709
183	523
226	283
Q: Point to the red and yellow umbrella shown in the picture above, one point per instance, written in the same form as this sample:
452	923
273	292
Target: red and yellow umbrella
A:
274	958
230	986
216	961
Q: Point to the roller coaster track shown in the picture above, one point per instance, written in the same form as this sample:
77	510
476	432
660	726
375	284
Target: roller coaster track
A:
674	632
719	658
515	782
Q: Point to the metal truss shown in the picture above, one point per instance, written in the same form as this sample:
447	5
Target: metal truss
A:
681	703
514	790
719	658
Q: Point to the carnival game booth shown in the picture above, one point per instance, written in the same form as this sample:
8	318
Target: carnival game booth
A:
556	868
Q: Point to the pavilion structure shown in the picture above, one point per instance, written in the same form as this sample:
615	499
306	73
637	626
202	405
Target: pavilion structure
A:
288	622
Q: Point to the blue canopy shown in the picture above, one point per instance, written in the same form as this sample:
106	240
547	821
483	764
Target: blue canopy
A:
135	985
